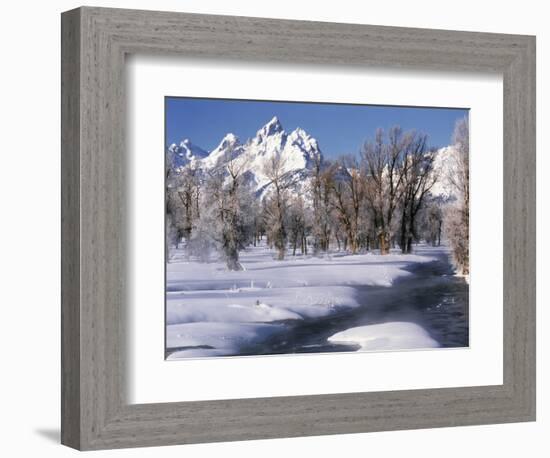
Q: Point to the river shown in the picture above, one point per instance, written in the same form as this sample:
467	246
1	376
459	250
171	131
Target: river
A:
432	297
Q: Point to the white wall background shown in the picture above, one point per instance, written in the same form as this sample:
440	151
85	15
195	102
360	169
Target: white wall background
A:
29	230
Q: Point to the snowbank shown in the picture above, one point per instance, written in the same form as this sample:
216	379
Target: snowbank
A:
257	304
261	271
386	336
216	339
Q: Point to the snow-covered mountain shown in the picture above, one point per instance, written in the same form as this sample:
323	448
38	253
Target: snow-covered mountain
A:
185	153
445	166
229	148
296	152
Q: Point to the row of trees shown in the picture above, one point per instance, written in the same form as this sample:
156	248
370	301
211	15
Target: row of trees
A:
377	201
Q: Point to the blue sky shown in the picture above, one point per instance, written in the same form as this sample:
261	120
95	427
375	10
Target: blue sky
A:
339	128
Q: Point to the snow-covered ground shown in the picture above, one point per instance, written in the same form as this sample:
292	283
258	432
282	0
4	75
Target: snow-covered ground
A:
386	336
212	311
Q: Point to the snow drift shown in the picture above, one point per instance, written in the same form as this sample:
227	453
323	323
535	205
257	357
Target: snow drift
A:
386	336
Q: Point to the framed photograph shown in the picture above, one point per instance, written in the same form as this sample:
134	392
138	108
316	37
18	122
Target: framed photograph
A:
278	228
276	245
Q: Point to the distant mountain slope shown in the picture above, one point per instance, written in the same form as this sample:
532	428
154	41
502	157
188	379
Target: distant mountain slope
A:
185	153
445	166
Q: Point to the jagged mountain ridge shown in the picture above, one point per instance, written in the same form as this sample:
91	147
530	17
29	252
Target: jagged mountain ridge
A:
298	152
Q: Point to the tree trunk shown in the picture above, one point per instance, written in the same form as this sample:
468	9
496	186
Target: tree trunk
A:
382	240
232	257
409	244
354	244
233	264
403	234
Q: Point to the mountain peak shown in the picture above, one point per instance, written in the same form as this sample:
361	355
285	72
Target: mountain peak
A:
229	147
272	127
302	140
299	132
230	140
230	137
185	153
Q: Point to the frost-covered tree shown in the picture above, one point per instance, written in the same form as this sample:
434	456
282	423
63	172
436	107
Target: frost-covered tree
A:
234	230
276	204
226	221
183	187
457	220
257	219
188	191
432	222
171	235
205	236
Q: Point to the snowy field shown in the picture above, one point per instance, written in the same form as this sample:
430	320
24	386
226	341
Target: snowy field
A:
215	312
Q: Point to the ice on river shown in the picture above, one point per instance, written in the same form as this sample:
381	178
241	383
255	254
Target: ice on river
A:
220	312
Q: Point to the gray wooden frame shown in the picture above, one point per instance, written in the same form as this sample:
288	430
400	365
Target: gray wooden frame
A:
95	41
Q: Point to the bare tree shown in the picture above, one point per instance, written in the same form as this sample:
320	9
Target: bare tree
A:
322	182
348	195
383	174
418	179
275	205
296	222
232	234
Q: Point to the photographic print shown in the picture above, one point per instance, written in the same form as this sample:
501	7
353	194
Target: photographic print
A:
298	227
